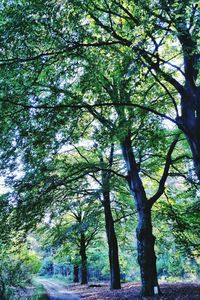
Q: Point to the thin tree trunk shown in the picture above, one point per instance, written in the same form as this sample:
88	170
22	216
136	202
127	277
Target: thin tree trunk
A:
115	282
112	244
145	238
75	274
84	273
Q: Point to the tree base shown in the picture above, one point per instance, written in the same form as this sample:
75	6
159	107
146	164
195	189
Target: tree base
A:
156	297
115	288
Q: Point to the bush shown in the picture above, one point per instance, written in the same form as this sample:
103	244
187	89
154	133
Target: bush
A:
13	273
15	270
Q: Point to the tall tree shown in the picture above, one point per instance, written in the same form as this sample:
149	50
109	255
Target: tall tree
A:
125	132
109	222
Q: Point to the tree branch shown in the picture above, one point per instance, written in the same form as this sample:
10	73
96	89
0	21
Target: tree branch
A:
90	106
168	161
74	46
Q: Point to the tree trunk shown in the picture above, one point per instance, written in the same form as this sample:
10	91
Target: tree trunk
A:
112	244
190	92
84	274
194	142
75	274
189	123
145	238
2	290
146	253
2	297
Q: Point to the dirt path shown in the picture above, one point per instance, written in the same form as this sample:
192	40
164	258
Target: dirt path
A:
57	291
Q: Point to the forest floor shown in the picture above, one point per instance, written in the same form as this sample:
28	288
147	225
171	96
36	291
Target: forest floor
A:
129	291
56	290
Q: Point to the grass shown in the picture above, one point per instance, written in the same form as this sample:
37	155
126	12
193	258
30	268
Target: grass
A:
35	292
39	293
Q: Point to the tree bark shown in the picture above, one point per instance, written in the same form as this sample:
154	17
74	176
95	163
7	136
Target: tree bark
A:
115	282
145	238
75	274
189	123
2	297
2	290
146	253
112	244
84	273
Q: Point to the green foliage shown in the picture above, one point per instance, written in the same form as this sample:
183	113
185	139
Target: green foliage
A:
76	77
178	233
16	268
47	267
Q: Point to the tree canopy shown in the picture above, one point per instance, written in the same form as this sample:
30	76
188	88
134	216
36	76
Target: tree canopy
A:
99	101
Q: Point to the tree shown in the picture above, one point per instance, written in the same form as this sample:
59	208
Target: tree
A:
73	227
109	223
104	165
124	133
48	186
104	176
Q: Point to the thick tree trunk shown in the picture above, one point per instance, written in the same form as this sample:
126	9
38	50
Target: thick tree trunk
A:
145	238
190	92
2	290
2	297
75	274
194	142
84	273
146	254
189	122
112	244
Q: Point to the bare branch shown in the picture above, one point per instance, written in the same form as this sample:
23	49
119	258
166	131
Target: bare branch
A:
125	216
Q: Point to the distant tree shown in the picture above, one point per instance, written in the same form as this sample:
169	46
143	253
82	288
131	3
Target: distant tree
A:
102	177
74	227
